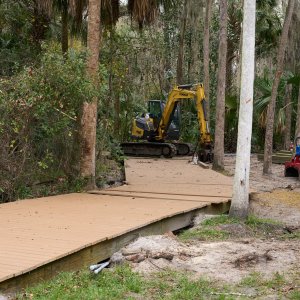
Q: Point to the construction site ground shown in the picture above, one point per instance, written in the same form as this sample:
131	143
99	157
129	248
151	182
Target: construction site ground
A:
47	235
274	197
257	259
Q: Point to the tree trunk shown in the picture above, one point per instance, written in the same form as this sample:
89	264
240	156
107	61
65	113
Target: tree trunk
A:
288	116
166	86
268	151
194	21
117	108
218	163
240	197
181	44
89	112
64	28
40	24
297	130
206	40
229	67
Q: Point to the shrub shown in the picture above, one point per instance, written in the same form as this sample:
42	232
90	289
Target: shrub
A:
39	111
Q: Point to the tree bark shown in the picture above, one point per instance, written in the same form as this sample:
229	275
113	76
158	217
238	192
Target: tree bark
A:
206	40
181	44
64	28
194	21
268	151
89	111
288	116
240	197
117	108
297	130
218	163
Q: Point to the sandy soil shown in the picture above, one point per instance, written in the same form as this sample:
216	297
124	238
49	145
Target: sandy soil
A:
260	182
228	261
275	197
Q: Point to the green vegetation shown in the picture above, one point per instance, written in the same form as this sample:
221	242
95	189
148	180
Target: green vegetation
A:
278	285
223	227
122	283
208	230
42	89
40	107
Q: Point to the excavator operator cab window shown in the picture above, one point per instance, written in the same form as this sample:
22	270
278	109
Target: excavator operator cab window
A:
155	109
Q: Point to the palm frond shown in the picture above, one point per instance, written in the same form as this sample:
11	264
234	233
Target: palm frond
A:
143	11
110	12
280	121
77	7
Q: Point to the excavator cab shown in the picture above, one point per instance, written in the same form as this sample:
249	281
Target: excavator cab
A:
155	109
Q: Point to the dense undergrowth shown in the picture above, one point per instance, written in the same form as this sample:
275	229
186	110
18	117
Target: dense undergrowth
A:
39	126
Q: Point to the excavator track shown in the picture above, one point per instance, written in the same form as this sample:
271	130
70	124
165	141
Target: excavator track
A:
183	149
167	150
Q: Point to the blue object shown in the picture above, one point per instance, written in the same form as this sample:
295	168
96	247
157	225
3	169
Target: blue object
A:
298	150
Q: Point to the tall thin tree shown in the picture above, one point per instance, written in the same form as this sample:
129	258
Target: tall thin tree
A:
297	129
240	197
181	43
268	151
288	116
218	163
206	40
89	110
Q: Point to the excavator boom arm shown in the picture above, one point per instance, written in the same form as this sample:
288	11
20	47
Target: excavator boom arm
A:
179	94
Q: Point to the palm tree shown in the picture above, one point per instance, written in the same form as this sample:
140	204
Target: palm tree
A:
240	197
179	72
218	163
263	86
206	39
268	151
288	116
297	130
67	8
89	110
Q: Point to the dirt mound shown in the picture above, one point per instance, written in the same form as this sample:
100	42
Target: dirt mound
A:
228	261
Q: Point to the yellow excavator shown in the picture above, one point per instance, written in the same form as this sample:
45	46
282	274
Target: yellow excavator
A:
159	129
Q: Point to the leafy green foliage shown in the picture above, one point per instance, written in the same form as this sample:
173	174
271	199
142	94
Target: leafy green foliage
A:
263	89
268	27
22	27
40	109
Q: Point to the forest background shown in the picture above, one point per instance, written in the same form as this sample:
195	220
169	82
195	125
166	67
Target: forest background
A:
44	82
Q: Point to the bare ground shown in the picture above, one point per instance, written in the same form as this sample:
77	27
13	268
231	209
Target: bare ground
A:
227	261
274	196
260	182
242	253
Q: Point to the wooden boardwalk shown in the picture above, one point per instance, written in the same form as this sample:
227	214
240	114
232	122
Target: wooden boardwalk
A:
40	237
